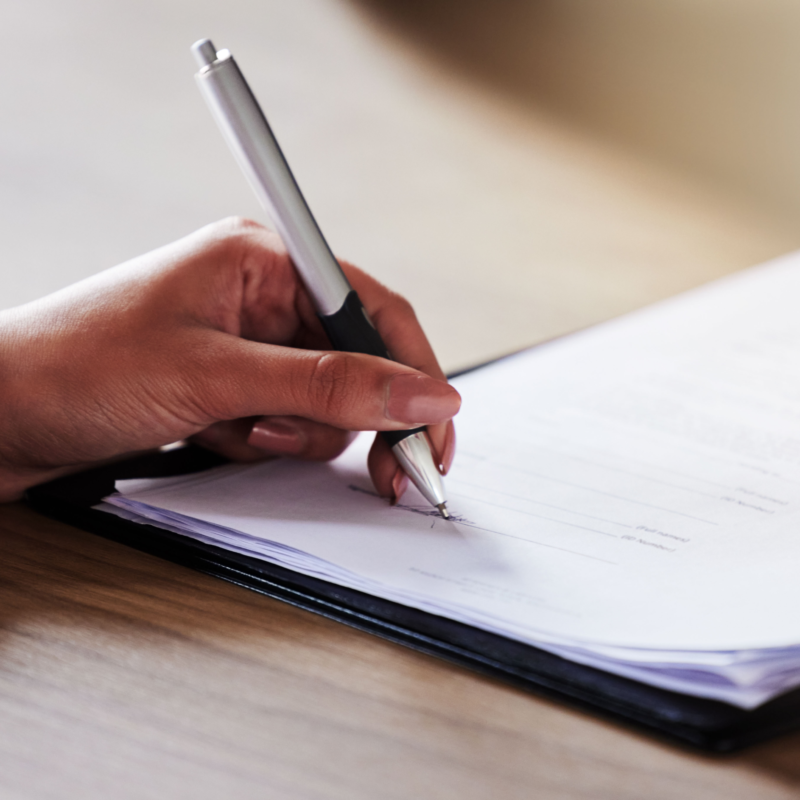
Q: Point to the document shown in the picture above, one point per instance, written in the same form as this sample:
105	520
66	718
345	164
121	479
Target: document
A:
627	497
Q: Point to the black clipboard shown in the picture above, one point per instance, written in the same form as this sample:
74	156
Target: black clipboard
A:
704	724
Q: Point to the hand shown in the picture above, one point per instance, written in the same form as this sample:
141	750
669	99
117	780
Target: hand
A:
212	337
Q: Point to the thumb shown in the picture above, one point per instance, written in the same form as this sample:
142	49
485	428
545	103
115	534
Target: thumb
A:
350	391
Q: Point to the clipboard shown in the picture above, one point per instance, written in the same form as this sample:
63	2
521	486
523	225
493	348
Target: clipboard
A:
702	724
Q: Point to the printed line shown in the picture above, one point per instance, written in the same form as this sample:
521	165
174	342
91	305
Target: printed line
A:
624	471
533	541
599	491
649	434
539	503
660	438
426	512
538	516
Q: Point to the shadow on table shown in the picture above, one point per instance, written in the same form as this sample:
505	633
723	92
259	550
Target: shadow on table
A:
703	86
489	43
779	758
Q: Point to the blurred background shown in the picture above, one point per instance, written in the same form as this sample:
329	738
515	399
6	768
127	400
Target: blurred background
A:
517	168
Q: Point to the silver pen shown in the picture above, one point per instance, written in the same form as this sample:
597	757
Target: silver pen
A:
344	319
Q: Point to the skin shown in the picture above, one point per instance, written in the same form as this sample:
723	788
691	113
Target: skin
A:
212	338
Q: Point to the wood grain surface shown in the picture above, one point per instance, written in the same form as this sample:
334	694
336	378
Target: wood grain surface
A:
123	676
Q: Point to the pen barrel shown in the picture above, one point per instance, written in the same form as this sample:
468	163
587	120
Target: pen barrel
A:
351	330
248	134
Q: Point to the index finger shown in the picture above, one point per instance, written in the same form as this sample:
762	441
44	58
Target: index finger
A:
396	322
402	334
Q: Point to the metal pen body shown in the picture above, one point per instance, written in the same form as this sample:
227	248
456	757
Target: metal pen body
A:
247	132
249	136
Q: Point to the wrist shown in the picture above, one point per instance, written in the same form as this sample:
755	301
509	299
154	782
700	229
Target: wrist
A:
18	470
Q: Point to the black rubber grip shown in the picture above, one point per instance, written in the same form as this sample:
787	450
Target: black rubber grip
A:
351	330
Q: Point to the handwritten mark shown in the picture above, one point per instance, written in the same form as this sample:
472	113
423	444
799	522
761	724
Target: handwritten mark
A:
425	512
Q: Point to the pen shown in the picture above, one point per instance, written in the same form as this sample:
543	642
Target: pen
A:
349	328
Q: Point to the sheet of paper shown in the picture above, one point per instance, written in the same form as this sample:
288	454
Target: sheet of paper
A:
627	494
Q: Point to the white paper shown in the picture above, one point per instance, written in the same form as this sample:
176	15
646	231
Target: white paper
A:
627	497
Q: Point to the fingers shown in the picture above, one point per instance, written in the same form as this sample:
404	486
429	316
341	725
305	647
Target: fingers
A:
386	473
388	476
443	442
268	437
297	388
397	323
232	378
248	440
443	439
299	438
229	439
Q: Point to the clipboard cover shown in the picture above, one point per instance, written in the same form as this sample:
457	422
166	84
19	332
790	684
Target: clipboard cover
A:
699	723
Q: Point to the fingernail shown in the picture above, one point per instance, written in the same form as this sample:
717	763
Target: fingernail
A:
443	445
277	436
421	400
449	450
399	485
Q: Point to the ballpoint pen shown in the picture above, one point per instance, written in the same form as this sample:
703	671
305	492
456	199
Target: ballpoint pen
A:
349	328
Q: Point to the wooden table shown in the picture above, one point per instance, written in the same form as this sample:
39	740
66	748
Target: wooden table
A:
125	676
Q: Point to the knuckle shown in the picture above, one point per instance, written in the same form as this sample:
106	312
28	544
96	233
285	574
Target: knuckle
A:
252	240
331	384
239	232
239	225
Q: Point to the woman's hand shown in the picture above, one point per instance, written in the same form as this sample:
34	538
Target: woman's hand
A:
212	337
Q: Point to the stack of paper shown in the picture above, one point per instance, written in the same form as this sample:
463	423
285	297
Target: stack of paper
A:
626	497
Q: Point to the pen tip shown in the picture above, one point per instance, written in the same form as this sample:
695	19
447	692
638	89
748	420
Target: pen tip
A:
443	510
